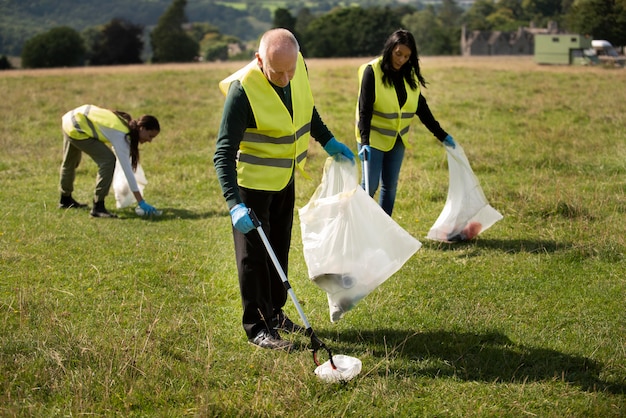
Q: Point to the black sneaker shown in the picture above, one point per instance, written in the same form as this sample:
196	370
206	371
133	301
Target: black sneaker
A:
270	339
68	202
283	323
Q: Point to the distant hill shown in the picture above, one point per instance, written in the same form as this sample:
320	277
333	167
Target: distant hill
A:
22	19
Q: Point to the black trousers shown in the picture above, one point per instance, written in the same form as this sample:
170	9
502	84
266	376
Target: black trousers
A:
262	291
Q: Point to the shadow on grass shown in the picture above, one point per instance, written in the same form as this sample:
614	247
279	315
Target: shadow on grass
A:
508	246
488	357
177	213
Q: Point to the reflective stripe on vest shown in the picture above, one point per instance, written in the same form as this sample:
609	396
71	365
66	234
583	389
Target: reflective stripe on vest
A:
386	126
268	153
92	129
274	162
84	122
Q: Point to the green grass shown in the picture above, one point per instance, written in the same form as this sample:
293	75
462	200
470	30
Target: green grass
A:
136	317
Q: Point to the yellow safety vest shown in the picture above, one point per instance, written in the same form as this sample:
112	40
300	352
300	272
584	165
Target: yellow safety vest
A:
388	119
85	121
268	153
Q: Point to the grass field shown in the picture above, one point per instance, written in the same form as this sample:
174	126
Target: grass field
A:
137	317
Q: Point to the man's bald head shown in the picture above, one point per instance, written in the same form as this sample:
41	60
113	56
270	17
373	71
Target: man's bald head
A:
277	56
276	41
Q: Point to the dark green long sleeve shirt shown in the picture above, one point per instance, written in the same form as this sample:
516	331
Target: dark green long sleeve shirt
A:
236	118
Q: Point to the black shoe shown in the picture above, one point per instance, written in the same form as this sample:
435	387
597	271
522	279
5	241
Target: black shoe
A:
270	339
68	202
99	211
283	323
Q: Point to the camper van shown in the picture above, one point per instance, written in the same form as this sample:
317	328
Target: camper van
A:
606	53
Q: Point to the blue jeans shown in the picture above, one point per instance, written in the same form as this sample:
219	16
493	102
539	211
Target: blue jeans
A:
384	168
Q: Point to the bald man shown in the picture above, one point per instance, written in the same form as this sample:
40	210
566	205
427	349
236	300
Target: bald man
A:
268	117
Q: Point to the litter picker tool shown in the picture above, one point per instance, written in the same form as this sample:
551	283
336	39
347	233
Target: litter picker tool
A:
316	343
366	170
347	367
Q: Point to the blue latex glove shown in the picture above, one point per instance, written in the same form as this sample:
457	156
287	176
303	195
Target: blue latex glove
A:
365	151
241	218
147	209
334	147
449	142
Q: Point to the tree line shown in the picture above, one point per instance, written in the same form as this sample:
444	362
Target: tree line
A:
245	19
340	32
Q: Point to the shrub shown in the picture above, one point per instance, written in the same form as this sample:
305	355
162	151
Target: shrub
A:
59	47
5	64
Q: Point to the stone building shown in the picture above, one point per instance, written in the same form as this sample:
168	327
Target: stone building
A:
520	42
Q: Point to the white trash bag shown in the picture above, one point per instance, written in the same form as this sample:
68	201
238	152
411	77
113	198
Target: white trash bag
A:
350	244
346	368
123	195
466	212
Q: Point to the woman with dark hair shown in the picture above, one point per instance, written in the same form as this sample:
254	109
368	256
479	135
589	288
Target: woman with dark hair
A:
389	97
87	129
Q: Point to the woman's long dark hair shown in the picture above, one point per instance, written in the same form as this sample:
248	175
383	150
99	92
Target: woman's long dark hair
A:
411	69
148	122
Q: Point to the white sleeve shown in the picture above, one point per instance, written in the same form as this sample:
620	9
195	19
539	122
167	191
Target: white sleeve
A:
121	148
